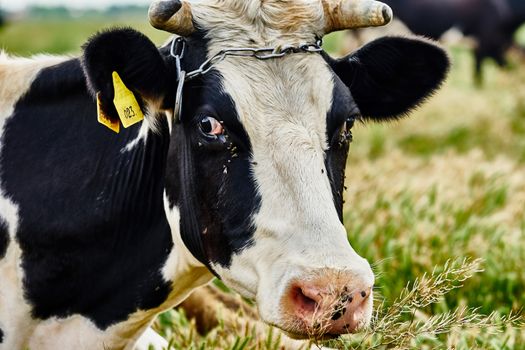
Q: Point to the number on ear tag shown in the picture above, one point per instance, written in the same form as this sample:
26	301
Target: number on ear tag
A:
128	108
103	119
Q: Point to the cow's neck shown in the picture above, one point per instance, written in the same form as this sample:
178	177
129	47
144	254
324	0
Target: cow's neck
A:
93	220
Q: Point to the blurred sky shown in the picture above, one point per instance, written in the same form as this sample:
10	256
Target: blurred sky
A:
15	5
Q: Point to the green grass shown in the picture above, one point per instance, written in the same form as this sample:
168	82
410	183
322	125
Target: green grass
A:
66	35
446	183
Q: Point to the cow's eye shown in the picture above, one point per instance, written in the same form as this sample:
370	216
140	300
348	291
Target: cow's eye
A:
210	126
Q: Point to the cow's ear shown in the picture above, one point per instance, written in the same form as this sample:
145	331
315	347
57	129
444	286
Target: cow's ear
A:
134	57
392	75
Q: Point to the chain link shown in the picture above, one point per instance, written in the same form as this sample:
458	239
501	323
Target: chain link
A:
178	47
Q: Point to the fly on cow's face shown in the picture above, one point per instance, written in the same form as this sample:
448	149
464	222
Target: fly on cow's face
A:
350	121
346	135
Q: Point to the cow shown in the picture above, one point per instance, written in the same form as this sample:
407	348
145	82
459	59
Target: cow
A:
492	23
102	227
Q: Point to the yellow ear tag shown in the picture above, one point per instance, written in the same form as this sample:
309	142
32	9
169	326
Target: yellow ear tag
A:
103	119
128	108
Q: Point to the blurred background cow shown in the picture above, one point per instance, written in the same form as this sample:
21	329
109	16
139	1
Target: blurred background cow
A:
491	25
449	182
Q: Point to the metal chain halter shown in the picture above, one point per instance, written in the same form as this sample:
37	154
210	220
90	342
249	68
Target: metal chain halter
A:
178	47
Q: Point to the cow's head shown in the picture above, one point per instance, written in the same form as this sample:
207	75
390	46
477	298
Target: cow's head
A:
256	164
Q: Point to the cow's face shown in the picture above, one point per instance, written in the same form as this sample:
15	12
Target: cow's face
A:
256	166
262	151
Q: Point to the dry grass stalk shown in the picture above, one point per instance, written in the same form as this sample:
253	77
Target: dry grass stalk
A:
398	326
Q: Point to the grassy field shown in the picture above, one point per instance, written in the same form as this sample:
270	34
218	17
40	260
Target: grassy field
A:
65	36
445	184
448	183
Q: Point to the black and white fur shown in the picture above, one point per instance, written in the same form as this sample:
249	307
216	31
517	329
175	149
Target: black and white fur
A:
99	232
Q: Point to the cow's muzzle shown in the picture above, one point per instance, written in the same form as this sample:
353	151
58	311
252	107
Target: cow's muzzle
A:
330	303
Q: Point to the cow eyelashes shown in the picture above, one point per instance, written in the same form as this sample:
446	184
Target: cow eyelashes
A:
210	127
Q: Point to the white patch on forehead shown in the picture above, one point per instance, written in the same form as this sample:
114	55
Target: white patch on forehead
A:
283	105
278	94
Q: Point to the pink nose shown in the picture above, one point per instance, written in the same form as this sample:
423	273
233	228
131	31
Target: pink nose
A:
330	309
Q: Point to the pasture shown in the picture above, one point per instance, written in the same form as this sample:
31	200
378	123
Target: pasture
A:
446	184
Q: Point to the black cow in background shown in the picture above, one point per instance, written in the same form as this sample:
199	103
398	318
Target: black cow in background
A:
491	22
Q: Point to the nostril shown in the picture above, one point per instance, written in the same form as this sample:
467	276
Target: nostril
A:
304	302
363	293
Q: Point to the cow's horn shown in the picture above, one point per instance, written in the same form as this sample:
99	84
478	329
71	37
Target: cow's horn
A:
173	16
349	14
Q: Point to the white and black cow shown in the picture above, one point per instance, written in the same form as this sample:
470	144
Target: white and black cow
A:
99	232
